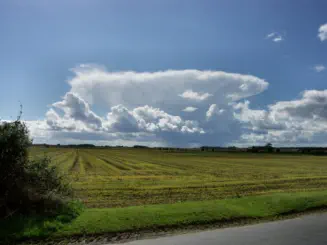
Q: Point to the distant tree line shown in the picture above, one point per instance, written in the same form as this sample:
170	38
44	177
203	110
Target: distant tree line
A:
140	146
268	148
219	148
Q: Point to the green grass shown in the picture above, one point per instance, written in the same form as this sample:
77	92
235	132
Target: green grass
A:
125	177
114	220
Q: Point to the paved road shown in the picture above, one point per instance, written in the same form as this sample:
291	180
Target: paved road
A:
310	229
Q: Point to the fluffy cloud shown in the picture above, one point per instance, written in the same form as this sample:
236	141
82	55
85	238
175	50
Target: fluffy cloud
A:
275	37
270	35
189	94
146	107
79	117
190	109
121	120
322	32
312	105
319	68
213	109
77	109
297	121
169	90
55	122
148	119
39	130
257	120
278	39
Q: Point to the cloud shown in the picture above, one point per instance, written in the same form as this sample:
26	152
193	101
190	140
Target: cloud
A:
39	130
270	35
213	109
79	117
120	119
312	105
275	37
278	39
77	109
189	94
162	89
147	107
148	119
153	119
55	122
256	120
157	120
190	109
322	32
319	68
300	121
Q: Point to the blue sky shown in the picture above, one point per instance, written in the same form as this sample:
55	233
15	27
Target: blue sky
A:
43	42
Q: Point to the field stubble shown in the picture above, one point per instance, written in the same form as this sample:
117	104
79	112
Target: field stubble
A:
129	177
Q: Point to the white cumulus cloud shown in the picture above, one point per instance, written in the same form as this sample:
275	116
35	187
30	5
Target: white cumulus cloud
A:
319	68
147	107
270	35
278	39
303	120
275	37
78	109
162	89
191	95
190	109
148	119
213	109
79	117
322	32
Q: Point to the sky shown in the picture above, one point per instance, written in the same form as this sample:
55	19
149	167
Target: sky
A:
166	73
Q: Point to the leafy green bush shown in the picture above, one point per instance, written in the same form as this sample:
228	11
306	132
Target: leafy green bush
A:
27	186
45	186
14	142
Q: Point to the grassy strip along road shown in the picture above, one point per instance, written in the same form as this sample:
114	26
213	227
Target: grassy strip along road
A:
97	221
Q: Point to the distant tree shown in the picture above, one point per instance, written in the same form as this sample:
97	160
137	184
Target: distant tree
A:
269	147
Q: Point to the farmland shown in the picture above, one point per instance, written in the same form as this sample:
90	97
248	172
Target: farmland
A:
120	177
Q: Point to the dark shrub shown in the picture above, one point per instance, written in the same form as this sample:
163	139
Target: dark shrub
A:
26	186
14	143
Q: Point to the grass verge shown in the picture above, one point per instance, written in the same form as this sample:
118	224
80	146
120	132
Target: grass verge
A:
94	222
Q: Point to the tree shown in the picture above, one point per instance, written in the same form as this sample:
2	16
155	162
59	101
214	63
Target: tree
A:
26	186
269	147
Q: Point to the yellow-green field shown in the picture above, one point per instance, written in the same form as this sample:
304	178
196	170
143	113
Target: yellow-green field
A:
119	177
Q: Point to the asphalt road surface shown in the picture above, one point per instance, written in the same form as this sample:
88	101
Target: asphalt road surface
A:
309	229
